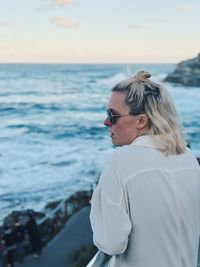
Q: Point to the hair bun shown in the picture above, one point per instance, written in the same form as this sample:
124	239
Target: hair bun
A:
142	75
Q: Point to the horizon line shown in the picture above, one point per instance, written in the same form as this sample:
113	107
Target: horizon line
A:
91	63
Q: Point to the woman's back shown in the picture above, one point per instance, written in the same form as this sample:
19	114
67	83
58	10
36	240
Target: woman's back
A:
164	207
161	197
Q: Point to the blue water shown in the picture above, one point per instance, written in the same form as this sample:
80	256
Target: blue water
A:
52	139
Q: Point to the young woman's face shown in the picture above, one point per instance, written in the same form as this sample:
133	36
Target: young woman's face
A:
125	130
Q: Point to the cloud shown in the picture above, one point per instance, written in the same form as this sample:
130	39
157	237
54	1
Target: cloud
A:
134	26
53	3
3	24
155	20
186	7
62	22
61	2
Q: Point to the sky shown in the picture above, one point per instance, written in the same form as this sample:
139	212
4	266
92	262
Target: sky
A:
99	31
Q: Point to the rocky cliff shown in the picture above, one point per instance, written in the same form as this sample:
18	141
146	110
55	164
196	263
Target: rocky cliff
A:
186	73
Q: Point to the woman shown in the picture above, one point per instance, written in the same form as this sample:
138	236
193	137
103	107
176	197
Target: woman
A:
34	234
145	210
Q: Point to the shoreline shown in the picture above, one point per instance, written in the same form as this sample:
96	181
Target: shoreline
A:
65	248
52	220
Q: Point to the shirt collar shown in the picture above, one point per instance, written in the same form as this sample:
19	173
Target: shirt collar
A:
146	141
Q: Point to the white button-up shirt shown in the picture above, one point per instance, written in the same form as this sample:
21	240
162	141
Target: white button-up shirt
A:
146	208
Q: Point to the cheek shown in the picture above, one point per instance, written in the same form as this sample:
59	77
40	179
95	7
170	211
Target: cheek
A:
120	134
118	128
125	130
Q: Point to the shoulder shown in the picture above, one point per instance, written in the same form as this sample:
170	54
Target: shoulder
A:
126	150
189	158
134	153
130	159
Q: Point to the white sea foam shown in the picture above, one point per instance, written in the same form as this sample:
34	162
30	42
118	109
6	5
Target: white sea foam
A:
111	81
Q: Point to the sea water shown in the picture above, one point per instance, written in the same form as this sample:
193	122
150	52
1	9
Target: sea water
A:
52	138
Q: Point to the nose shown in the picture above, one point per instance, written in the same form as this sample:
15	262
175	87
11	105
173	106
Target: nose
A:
107	123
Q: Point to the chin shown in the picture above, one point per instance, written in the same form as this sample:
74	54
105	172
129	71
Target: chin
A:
115	143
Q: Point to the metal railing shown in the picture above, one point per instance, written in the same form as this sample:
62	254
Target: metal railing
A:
92	261
94	258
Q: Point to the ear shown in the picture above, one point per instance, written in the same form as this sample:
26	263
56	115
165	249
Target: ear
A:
142	121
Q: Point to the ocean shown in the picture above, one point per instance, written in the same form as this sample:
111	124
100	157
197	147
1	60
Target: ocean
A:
52	138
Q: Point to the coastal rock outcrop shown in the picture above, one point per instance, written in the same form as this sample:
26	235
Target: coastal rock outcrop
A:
187	73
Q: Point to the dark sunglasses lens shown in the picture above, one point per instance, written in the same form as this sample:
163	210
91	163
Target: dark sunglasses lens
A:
110	117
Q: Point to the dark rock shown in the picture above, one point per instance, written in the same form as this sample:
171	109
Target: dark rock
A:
53	204
187	73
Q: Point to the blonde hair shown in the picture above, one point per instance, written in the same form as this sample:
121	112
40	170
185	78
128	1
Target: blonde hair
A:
146	96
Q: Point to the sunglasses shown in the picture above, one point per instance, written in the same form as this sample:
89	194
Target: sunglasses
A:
113	118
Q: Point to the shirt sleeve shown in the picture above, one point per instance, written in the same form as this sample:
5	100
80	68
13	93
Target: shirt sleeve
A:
109	217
